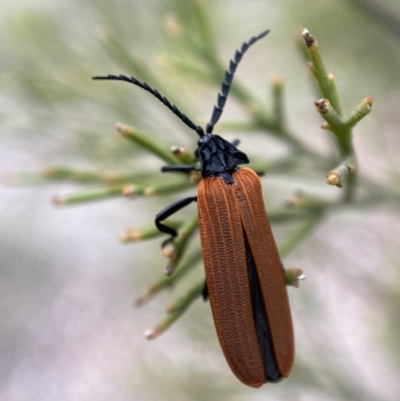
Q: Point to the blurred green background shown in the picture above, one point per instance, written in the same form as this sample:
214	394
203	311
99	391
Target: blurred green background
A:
68	329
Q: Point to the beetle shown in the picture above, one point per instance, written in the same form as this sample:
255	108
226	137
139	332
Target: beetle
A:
244	275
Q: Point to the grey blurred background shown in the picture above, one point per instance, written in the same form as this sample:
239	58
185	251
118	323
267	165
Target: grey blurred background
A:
68	328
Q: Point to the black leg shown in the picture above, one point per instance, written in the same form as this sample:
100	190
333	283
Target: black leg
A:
181	168
169	211
205	292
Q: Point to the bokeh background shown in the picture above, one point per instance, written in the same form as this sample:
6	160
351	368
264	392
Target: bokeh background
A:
68	329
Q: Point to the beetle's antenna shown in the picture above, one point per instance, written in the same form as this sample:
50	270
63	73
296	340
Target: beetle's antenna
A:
226	84
155	93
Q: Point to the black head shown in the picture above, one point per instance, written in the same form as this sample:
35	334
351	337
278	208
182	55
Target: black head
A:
218	157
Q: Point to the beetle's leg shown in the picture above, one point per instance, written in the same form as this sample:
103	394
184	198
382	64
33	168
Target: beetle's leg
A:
204	293
181	168
169	211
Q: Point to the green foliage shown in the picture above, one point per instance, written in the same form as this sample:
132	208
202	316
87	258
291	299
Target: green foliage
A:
202	46
50	82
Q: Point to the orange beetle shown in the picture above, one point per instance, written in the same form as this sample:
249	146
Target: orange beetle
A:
244	275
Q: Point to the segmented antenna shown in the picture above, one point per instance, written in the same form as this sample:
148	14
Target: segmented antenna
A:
155	93
226	84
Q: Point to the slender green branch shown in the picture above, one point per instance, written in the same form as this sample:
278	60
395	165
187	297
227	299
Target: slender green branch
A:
330	110
204	24
175	311
333	119
89	195
183	154
183	302
282	216
149	143
121	54
344	138
302	202
63	173
177	308
256	111
174	250
334	91
67	173
339	175
362	110
277	103
260	119
325	82
307	211
186	67
305	229
146	232
167	281
293	277
95	194
156	189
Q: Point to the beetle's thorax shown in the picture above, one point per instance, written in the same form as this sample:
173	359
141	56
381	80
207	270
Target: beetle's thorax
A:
218	157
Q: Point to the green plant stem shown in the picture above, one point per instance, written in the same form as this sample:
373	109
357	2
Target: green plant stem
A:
325	83
183	154
89	195
344	139
175	311
182	303
293	276
362	110
330	110
333	119
168	187
277	103
257	111
204	24
146	141
175	249
305	229
168	281
146	232
122	55
284	215
340	174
